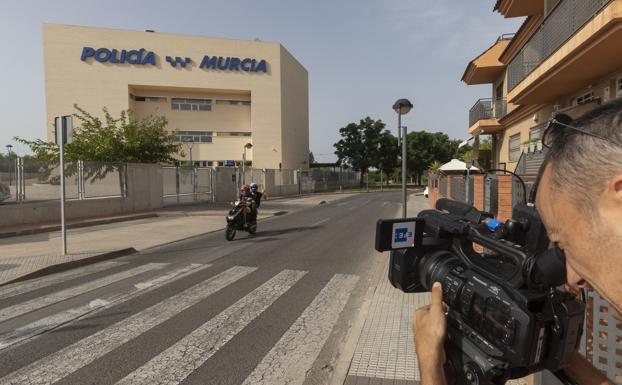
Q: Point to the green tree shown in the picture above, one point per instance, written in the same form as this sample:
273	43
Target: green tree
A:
364	145
311	158
426	147
123	139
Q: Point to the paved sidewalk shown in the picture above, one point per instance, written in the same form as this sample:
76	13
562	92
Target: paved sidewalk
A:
22	255
385	351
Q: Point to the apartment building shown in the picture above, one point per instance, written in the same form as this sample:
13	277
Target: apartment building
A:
564	58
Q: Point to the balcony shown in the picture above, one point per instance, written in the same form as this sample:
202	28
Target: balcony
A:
485	114
575	44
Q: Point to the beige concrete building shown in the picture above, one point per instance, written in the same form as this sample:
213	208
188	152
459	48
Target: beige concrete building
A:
564	58
219	94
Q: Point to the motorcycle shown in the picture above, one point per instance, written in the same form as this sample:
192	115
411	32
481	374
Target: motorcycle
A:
239	218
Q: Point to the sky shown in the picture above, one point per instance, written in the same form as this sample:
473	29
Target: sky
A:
361	55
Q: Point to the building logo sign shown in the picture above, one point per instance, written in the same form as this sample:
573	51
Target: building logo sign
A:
145	58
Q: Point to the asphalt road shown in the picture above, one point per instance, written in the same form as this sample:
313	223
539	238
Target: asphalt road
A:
272	308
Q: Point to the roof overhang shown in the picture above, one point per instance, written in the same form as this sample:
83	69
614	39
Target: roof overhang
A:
486	126
590	54
486	68
516	8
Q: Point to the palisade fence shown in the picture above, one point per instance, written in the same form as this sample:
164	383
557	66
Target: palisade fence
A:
187	184
30	180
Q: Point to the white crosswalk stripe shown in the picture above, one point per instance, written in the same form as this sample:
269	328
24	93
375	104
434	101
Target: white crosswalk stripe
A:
48	323
60	364
40	302
294	354
181	359
19	288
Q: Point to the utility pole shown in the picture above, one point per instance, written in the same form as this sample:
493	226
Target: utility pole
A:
64	129
403	106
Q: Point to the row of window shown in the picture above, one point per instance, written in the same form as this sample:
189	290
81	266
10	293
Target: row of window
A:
205	136
187	104
214	163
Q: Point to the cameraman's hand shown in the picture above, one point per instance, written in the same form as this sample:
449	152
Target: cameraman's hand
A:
429	331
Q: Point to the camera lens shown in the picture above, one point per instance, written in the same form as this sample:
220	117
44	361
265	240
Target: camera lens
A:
435	266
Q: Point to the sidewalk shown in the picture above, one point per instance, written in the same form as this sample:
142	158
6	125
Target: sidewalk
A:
385	351
22	255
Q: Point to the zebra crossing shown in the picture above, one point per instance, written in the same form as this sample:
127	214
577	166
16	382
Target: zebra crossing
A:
291	357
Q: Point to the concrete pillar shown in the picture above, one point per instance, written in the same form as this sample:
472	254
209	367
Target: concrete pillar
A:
505	197
478	192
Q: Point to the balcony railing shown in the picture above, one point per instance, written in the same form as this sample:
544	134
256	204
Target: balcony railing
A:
563	21
487	109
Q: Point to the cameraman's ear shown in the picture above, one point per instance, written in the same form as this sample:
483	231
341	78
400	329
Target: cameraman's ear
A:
616	187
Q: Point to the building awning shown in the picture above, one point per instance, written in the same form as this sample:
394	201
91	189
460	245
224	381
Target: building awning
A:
486	68
457	165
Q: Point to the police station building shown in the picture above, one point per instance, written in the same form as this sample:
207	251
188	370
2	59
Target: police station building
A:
222	97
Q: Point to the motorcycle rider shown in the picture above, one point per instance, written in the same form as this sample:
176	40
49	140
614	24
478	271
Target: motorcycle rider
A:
257	196
246	196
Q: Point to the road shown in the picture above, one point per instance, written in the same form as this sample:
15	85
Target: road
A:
273	308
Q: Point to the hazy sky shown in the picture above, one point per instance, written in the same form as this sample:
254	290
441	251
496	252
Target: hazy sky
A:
361	55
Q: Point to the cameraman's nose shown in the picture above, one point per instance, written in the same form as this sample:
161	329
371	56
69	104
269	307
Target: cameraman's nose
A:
573	278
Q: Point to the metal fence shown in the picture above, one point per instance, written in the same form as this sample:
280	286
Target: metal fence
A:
32	180
604	334
458	188
322	180
487	109
565	19
187	184
443	187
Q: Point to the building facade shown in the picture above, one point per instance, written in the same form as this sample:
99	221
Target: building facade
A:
563	59
224	99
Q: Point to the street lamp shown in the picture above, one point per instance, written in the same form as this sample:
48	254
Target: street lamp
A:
247	146
9	147
402	107
190	144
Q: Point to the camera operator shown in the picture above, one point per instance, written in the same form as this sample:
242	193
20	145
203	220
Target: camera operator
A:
579	198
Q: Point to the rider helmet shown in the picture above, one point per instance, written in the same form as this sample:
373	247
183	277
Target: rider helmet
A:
245	188
254	187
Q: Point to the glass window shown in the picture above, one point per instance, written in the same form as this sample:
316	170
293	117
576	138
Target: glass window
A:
514	148
149	98
585	98
234	102
191	104
194	136
535	133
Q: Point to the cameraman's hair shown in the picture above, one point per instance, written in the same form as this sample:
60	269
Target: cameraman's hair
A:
581	164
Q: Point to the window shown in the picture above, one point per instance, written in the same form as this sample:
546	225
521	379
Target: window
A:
514	147
191	104
194	136
149	98
234	133
535	133
234	102
585	98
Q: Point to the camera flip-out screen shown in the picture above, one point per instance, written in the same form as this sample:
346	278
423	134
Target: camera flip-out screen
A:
392	234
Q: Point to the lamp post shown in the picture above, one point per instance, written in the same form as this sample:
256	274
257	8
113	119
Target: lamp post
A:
9	147
190	144
402	107
247	146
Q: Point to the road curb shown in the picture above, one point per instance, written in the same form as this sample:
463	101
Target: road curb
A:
60	267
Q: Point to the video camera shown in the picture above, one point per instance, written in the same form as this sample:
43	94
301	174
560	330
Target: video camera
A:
507	317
